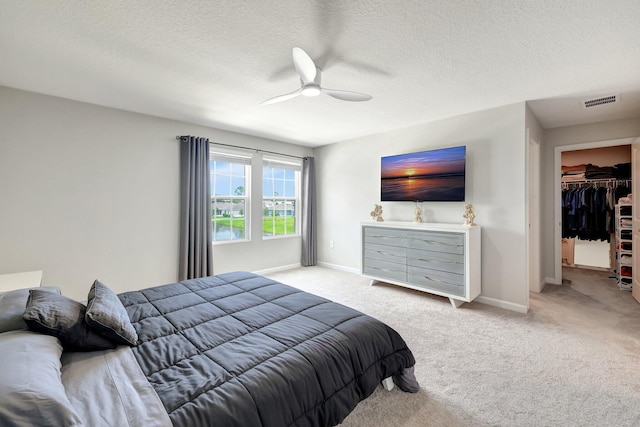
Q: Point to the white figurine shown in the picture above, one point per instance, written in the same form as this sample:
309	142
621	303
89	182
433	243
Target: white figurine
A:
469	216
376	213
417	214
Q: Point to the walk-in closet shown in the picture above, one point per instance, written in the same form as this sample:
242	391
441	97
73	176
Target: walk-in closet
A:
596	214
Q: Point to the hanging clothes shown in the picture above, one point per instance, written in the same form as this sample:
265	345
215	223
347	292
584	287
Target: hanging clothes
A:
588	209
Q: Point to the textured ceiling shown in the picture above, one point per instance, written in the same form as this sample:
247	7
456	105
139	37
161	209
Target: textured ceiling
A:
213	62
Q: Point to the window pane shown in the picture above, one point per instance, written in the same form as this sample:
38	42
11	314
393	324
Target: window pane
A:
291	211
278	189
289	189
237	185
237	169
220	208
268	226
267	188
238	219
290	174
278	173
222	168
222	184
290	226
267	173
268	217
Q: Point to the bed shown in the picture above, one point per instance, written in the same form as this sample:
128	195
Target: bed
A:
235	349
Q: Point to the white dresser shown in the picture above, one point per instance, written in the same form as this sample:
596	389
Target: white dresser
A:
442	259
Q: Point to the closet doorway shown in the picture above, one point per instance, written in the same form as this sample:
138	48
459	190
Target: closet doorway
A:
598	174
593	181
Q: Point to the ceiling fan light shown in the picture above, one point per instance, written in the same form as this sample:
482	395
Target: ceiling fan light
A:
311	90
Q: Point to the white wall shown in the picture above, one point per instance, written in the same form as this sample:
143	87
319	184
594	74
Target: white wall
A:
90	192
570	135
348	175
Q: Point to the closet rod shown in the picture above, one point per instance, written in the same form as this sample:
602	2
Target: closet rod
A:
598	180
257	150
627	181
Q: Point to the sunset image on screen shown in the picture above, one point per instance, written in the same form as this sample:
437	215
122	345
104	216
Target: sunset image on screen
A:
436	175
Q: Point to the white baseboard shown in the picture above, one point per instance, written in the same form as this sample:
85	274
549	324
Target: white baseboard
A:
552	281
542	285
276	269
339	267
502	304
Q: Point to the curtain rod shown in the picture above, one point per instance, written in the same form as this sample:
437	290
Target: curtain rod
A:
257	150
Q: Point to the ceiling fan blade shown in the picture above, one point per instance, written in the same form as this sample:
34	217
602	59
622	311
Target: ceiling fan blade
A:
345	95
281	98
304	65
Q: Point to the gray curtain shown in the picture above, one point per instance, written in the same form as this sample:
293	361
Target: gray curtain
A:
308	222
196	258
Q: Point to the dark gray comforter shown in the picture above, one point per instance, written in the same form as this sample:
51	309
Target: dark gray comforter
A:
240	349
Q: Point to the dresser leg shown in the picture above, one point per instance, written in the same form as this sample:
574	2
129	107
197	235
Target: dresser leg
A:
456	303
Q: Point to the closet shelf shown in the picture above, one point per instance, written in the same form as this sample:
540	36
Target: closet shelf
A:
624	246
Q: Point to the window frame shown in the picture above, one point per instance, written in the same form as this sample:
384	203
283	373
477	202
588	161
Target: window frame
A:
286	164
233	158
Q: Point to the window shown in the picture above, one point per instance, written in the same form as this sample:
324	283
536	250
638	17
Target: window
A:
230	196
280	198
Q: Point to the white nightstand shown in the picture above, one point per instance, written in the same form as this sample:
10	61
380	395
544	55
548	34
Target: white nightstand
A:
27	279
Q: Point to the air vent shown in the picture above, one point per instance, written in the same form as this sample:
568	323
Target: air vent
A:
603	100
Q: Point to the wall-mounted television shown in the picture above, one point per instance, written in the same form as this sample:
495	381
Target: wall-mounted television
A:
425	176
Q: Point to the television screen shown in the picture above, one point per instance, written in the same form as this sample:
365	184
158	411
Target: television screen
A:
435	175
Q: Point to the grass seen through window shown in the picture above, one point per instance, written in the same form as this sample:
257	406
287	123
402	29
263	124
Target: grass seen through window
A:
276	225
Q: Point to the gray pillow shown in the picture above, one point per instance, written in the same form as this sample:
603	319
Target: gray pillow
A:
31	389
107	315
12	306
62	317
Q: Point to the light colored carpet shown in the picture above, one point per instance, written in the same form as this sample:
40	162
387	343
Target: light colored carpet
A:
573	360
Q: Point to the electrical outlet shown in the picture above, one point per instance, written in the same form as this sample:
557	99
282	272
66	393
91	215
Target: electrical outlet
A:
331	243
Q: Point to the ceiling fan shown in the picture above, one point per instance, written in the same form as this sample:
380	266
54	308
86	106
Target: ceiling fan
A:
310	77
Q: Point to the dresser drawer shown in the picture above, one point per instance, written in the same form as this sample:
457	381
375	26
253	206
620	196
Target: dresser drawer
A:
441	261
385	236
448	283
385	269
385	252
436	241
